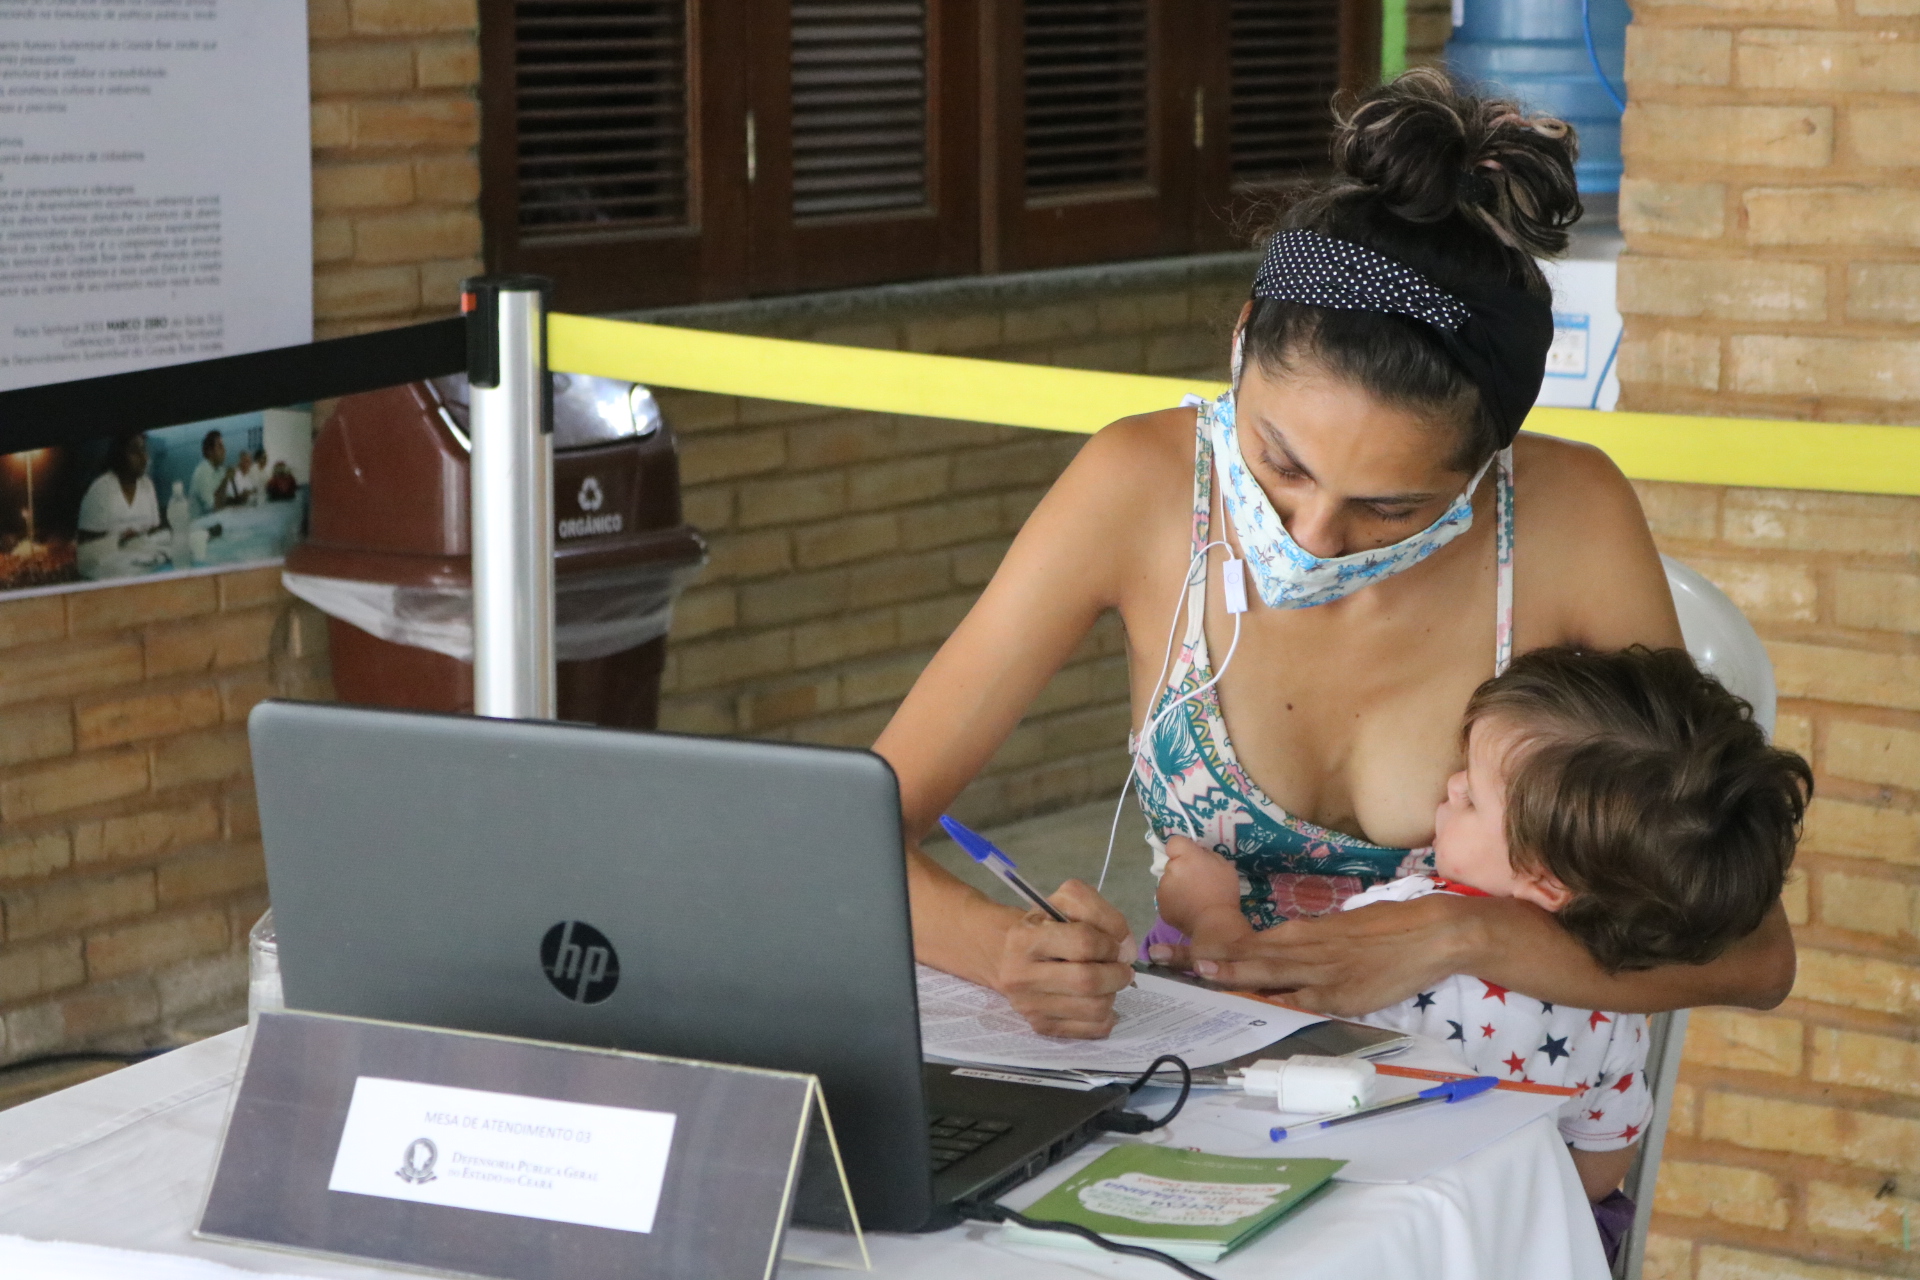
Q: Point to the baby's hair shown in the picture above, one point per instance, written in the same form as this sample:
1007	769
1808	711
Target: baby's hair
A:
1649	791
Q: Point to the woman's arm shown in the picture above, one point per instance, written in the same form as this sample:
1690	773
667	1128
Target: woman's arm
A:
1074	559
1355	962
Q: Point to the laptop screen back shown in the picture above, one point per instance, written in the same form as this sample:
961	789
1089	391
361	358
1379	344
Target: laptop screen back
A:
698	897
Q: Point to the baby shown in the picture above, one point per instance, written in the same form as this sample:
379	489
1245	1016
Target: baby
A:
1629	794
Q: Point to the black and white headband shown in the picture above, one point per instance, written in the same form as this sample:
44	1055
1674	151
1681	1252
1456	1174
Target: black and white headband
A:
1499	335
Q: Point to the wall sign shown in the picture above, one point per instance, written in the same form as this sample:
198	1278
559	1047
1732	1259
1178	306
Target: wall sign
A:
155	184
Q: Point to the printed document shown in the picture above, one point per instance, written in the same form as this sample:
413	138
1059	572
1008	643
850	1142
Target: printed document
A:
961	1022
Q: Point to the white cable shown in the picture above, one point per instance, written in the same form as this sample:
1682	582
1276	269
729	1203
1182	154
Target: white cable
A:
1173	626
1143	739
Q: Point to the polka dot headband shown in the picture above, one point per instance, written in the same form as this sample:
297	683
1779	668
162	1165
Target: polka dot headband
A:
1498	334
1305	266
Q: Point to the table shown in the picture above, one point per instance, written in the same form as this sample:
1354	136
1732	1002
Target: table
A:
123	1161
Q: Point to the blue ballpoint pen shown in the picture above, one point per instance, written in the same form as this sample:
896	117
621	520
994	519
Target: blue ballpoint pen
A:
1450	1091
983	851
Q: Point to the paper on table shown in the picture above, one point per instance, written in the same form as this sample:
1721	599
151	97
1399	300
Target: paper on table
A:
961	1022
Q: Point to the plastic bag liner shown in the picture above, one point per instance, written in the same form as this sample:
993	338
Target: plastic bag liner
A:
594	615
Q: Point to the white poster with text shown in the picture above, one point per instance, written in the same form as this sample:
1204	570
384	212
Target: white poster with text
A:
155	184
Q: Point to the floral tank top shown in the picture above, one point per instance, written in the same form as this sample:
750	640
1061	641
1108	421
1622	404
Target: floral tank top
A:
1191	783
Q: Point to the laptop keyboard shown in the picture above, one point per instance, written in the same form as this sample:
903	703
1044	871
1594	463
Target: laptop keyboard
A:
957	1137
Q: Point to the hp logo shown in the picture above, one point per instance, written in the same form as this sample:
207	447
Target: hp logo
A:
579	961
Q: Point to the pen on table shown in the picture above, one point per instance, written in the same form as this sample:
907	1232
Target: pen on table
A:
984	852
1449	1091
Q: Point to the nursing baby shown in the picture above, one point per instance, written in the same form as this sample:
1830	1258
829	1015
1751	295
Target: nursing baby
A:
1629	794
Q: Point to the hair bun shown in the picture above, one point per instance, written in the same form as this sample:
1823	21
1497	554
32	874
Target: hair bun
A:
1427	150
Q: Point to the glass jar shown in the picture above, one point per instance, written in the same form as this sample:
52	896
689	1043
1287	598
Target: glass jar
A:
263	969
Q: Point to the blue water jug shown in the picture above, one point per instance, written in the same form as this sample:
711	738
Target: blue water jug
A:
1536	51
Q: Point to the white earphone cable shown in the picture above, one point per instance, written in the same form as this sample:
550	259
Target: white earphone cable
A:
1143	740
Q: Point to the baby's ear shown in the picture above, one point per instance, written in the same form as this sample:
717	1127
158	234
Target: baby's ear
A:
1542	888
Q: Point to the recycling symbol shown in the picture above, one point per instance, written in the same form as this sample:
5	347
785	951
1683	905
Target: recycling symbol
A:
590	496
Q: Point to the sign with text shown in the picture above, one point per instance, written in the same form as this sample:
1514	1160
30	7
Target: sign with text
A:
155	184
504	1153
490	1156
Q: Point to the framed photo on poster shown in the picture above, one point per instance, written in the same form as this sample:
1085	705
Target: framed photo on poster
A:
200	497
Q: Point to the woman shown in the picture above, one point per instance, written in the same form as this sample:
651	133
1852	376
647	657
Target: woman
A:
1361	498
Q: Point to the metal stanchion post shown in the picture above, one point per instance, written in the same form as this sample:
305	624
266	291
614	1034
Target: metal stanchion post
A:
511	425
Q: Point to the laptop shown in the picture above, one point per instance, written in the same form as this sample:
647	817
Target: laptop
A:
706	898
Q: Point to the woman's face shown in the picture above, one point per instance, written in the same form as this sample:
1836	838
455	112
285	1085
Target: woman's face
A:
1346	472
130	460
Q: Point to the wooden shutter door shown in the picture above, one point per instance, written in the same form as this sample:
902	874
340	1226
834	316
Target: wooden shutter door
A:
863	132
1092	117
1279	67
602	168
1288	59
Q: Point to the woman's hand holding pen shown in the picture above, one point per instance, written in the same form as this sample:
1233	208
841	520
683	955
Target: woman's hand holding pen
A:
1062	977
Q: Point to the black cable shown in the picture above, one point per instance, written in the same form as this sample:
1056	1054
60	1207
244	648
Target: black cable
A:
995	1213
1133	1121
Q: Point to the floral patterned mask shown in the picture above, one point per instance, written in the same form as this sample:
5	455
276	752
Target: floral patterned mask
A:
1285	573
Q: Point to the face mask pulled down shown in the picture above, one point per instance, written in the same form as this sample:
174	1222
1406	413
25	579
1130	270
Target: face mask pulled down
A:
1287	575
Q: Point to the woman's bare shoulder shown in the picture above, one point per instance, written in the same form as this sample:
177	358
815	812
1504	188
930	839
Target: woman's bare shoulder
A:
1147	441
1145	460
1565	486
1583	547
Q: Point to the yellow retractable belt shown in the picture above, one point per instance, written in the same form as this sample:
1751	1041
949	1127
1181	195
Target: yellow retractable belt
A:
1765	453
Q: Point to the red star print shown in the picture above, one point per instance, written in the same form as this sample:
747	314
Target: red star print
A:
1487	1031
1581	1087
1494	992
1595	1018
1625	1083
1514	1063
1596	1115
1633	1131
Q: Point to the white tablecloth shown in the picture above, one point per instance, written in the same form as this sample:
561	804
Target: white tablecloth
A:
123	1161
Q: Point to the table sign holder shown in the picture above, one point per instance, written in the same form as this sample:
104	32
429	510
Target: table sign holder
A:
480	1155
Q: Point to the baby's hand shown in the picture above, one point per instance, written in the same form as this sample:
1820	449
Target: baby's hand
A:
1200	893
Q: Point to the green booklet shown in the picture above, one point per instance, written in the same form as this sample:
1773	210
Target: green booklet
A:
1185	1203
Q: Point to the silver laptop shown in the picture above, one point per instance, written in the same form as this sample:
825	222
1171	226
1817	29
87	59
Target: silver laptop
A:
700	897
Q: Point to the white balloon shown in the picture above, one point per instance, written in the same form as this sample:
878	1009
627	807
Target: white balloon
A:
1721	639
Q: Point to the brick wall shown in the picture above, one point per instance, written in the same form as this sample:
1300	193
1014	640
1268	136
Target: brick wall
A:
1429	24
1772	215
846	546
130	863
396	172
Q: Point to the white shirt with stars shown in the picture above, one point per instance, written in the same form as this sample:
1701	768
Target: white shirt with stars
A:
1503	1033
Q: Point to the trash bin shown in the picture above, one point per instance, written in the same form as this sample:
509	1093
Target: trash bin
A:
389	553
